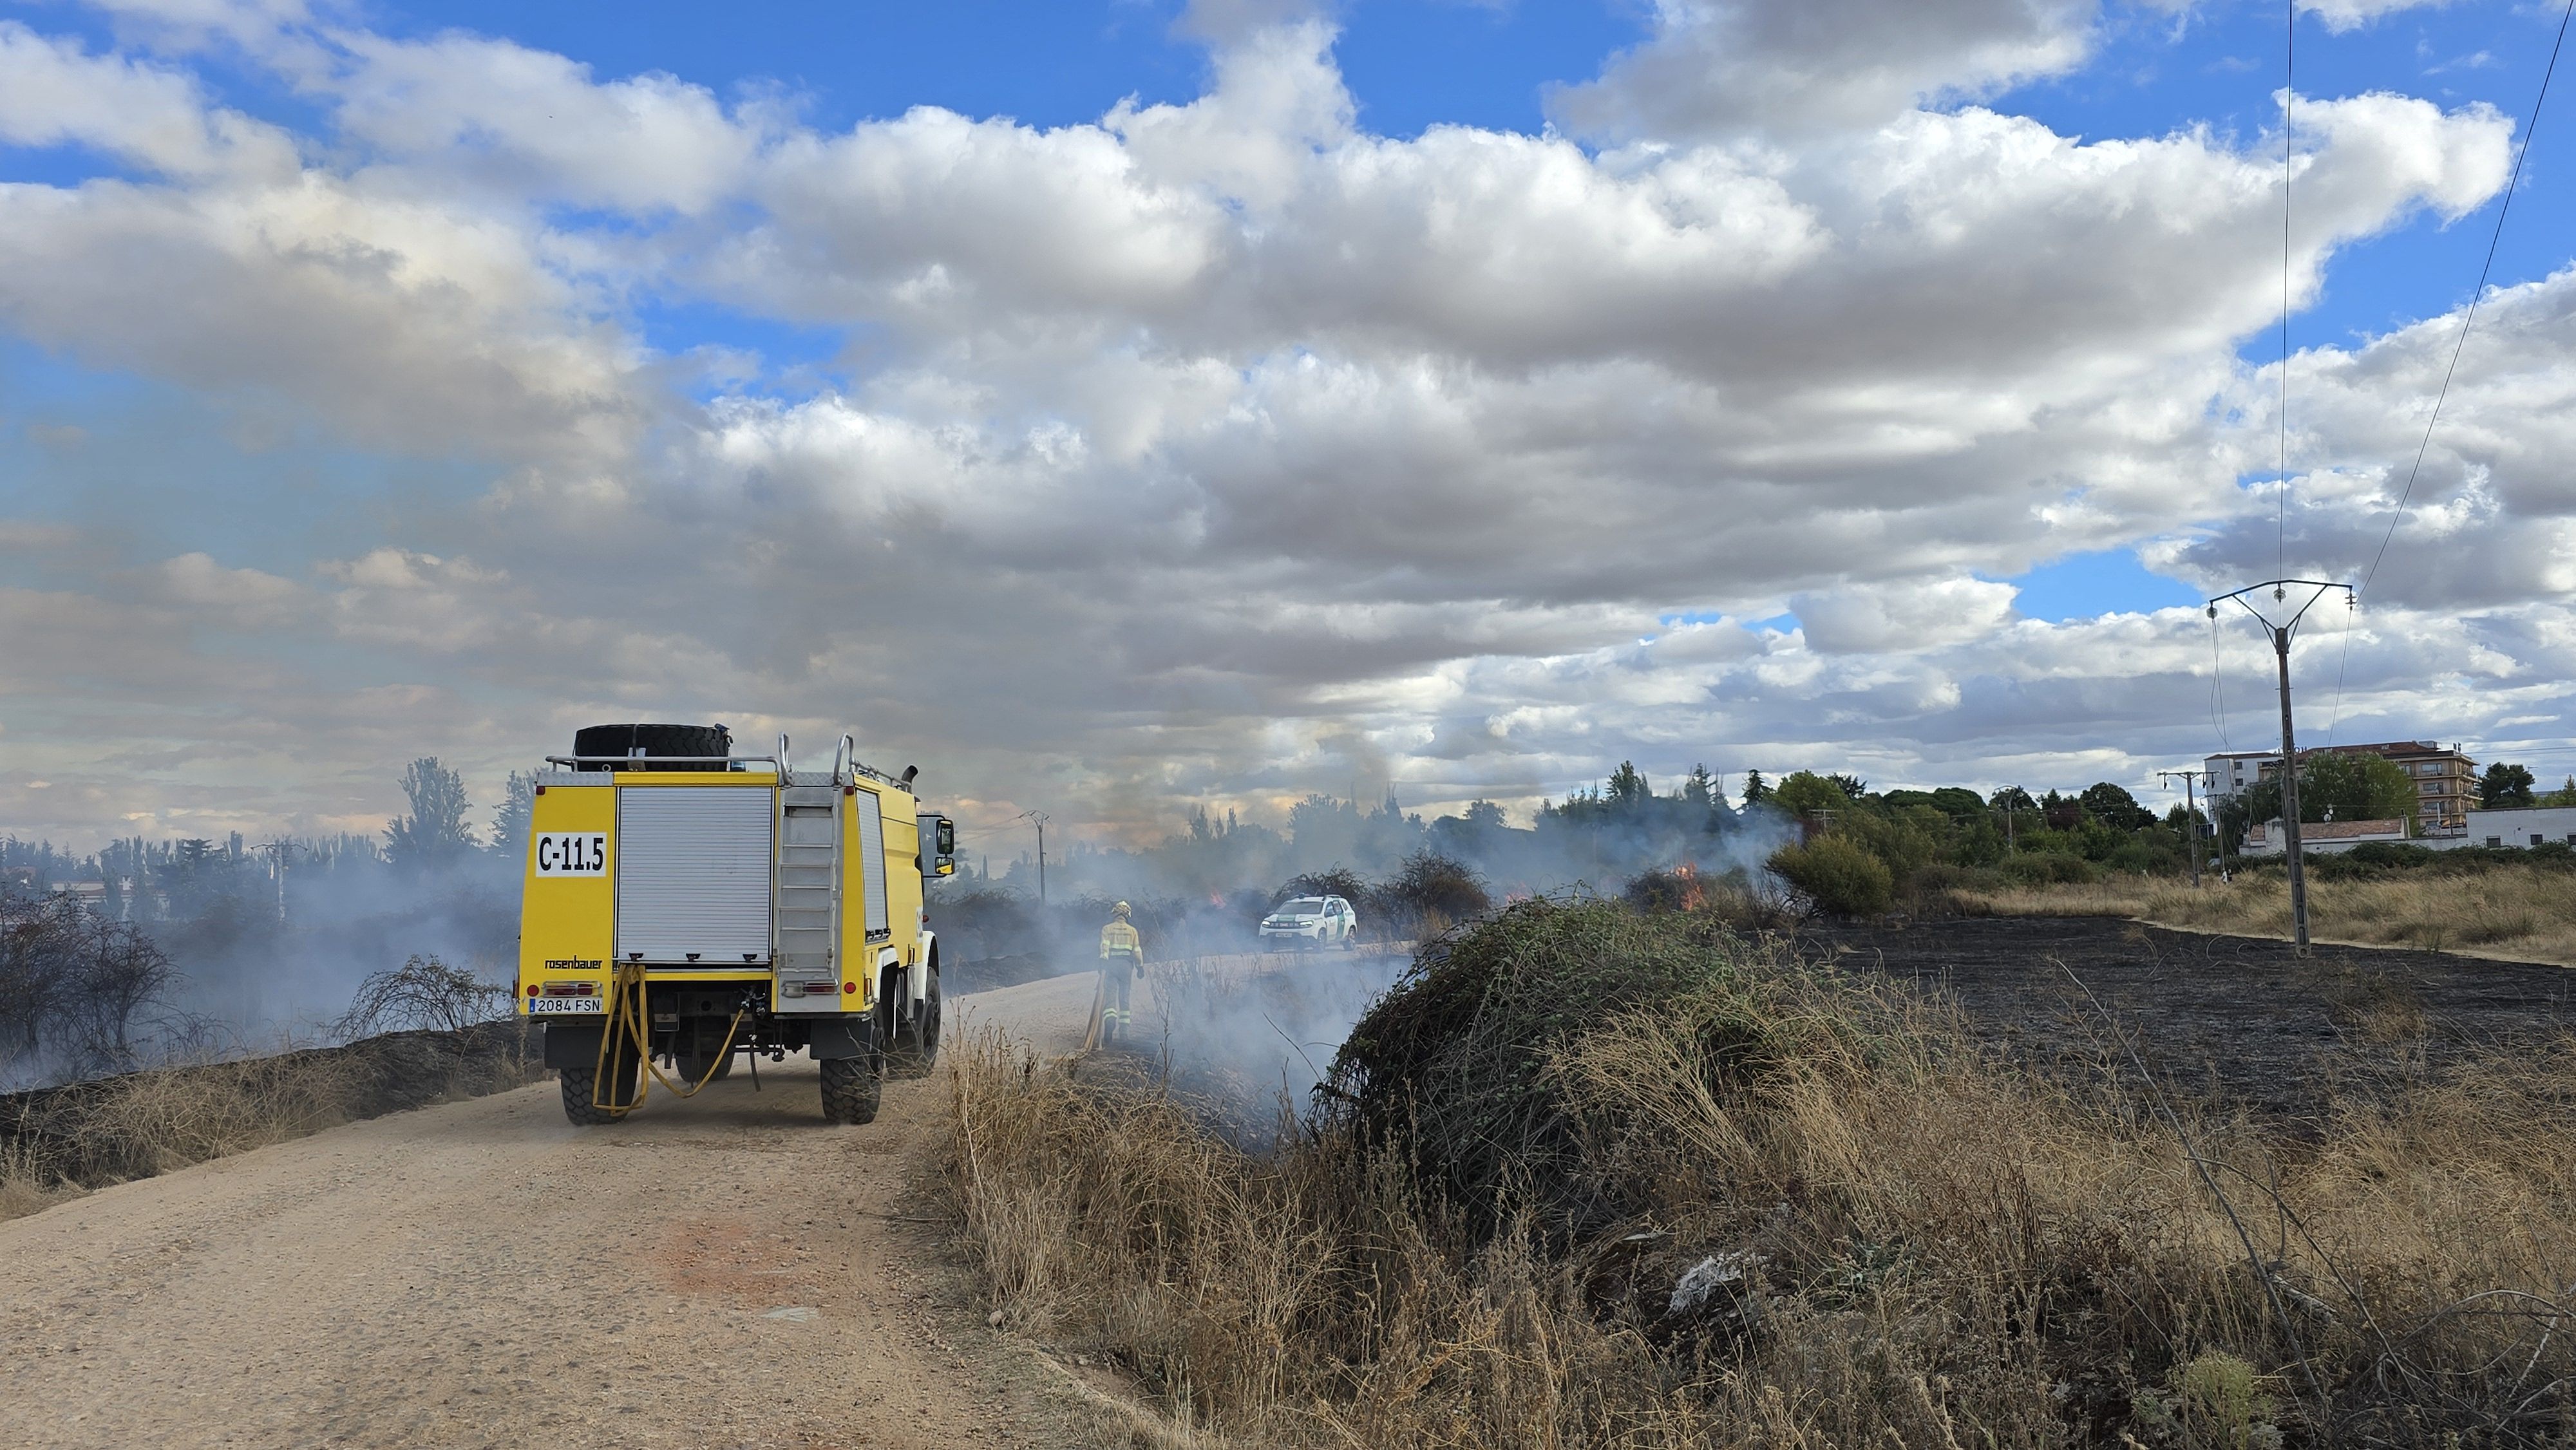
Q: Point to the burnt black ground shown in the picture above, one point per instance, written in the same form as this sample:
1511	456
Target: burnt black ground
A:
2233	1021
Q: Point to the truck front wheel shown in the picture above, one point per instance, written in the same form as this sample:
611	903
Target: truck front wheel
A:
916	1043
851	1088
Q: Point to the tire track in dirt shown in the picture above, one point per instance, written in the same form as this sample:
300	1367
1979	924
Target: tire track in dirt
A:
728	1271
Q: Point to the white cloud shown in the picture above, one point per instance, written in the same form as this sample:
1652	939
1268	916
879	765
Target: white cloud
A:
52	93
531	123
1903	618
1227	449
1737	68
2346	15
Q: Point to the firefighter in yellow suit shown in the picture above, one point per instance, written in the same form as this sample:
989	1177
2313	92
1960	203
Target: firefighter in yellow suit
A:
1122	952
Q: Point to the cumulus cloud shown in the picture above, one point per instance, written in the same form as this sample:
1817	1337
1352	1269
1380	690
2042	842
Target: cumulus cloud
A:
53	93
1723	68
1225	450
2343	15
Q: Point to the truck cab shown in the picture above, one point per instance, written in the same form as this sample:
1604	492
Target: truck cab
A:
682	905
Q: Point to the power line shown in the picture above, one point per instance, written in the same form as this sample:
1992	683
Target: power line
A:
2336	719
2459	345
2289	96
2512	184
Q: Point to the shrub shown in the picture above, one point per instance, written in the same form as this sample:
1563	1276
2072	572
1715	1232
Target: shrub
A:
423	994
2037	868
1429	894
1450	1068
1838	874
2138	857
1661	890
2389	853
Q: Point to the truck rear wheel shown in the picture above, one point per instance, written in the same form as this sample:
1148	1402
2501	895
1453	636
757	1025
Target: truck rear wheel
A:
851	1088
916	1045
581	1090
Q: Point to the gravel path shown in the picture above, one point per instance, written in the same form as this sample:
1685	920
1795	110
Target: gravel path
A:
727	1271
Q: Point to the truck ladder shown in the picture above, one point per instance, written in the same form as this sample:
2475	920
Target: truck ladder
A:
809	883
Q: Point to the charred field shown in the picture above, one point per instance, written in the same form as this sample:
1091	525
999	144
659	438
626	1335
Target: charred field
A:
2237	1022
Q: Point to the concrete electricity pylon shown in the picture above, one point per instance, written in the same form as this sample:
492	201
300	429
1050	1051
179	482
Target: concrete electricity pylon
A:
2190	813
1039	819
277	852
2280	631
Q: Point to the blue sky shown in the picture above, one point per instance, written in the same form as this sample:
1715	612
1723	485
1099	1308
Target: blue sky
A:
1352	407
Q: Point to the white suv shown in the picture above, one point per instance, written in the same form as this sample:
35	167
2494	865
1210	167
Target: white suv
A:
1311	920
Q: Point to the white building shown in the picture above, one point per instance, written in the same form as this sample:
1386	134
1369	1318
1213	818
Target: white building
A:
2526	828
2231	774
2266	838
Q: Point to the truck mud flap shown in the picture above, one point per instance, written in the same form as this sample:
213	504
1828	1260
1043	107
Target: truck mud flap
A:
840	1037
573	1044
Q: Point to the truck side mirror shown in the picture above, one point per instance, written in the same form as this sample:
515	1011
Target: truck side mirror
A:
938	850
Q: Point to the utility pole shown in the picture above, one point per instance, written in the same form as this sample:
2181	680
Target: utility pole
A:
1039	818
2281	631
276	852
2190	815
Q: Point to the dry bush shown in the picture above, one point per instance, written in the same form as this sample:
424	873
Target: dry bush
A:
1115	1209
423	994
2515	911
65	1140
1883	1237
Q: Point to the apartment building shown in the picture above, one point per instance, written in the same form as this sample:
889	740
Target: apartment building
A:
2446	780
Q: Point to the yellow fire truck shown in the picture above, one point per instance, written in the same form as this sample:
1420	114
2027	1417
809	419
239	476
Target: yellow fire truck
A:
683	905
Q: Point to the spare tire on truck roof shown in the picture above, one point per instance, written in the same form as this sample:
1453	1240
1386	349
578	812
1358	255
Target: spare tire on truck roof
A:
654	744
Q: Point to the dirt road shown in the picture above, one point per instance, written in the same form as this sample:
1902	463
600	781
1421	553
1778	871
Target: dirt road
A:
729	1271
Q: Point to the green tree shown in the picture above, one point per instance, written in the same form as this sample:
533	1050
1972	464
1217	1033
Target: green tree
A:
434	835
1756	789
2565	795
2503	787
2339	788
2113	806
2359	788
1905	839
1628	788
510	822
1805	793
1699	789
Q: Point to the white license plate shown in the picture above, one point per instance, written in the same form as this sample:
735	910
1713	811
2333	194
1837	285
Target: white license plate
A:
565	1004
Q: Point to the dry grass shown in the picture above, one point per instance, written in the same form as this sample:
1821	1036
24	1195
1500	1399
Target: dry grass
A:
2519	912
61	1142
1901	1242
